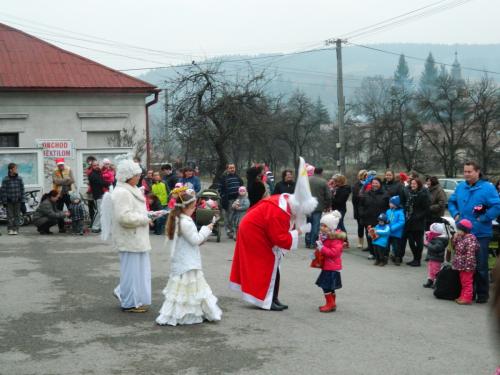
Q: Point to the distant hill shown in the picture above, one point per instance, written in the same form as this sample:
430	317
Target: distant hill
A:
315	73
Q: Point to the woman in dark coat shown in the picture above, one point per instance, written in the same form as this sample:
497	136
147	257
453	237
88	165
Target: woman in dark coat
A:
287	184
372	203
391	186
255	186
340	195
356	189
416	210
438	201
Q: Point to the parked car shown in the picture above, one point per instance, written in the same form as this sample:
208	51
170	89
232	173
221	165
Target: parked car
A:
449	185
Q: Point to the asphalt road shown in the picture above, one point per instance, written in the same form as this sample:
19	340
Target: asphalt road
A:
58	316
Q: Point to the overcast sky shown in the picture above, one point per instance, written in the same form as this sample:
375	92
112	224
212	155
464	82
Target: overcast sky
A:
192	29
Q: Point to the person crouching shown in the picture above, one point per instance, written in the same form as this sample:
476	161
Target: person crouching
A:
330	244
436	242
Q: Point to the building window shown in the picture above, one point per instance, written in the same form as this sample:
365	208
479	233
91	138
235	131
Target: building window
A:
9	139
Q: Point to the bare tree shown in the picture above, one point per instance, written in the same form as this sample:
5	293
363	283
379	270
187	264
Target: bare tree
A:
448	114
374	103
485	97
129	137
210	107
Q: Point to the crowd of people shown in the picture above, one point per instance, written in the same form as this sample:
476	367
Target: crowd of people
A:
391	211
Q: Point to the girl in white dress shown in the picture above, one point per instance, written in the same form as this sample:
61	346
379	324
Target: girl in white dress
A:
188	297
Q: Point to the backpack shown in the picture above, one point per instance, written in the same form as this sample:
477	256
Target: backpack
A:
447	285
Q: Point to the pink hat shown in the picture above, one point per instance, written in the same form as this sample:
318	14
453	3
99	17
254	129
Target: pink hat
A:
242	189
464	225
59	161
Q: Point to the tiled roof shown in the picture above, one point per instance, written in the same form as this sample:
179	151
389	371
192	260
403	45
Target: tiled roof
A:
31	64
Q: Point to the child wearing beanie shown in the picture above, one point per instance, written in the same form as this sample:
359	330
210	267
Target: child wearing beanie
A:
330	243
436	242
396	217
466	246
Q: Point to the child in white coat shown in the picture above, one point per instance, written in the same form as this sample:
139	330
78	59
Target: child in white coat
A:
188	297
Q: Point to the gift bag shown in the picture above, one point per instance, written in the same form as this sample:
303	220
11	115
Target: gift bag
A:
447	284
319	259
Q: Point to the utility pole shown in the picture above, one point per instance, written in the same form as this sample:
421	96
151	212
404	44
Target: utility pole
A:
165	130
340	106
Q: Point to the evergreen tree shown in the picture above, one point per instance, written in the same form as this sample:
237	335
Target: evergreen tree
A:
402	77
429	75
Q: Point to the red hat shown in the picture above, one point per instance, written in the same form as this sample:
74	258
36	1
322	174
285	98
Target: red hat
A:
464	225
59	161
403	177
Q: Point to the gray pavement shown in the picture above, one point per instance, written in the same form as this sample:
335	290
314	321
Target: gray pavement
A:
58	316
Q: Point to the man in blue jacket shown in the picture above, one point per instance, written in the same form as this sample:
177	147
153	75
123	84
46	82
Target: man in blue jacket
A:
476	192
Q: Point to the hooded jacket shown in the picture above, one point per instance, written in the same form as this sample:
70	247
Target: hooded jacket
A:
396	217
466	197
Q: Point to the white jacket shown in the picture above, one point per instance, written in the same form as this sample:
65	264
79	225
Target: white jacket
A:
130	228
185	250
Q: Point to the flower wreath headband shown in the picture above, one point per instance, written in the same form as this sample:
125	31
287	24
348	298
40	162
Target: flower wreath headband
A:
185	189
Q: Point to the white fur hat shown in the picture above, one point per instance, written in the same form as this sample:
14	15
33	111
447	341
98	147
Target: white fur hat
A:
438	228
331	220
126	170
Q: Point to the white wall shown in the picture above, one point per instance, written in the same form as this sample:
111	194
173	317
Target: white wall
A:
70	116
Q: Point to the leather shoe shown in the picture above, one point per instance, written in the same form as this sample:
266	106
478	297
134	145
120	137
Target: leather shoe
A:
276	307
277	302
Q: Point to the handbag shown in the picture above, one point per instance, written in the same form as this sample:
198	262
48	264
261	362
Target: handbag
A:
447	284
318	260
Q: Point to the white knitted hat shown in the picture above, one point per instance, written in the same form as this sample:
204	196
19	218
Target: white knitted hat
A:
331	220
437	228
126	170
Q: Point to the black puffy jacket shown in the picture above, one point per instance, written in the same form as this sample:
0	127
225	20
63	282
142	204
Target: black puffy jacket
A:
416	209
371	204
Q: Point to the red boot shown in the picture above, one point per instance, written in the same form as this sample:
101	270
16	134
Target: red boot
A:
330	303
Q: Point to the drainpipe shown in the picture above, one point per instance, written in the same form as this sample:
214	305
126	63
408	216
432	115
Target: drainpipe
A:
148	141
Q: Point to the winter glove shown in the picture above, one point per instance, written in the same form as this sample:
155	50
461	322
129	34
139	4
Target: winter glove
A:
319	244
484	219
306	228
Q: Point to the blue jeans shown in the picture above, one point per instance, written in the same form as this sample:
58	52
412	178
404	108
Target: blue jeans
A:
314	219
481	278
395	245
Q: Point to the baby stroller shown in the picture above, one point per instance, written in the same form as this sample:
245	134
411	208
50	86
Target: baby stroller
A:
206	210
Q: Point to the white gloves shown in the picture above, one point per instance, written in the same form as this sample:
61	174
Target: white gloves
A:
306	228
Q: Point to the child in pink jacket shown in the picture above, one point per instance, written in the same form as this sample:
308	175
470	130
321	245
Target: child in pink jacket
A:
466	247
108	174
330	243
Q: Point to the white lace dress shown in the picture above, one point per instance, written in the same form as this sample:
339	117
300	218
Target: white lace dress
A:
188	297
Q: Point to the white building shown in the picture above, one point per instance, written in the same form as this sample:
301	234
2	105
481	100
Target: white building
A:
72	105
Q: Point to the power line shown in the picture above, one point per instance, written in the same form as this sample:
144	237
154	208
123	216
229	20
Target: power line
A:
425	11
420	58
410	19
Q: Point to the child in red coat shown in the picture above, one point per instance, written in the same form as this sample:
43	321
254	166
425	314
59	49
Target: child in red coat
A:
330	243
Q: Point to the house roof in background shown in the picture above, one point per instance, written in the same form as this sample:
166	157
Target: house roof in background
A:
28	63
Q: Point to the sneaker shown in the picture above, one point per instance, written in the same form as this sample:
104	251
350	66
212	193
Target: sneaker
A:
15	232
10	232
371	257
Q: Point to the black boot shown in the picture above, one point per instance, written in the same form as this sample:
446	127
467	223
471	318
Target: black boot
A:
428	284
414	263
383	261
276	307
277	302
397	261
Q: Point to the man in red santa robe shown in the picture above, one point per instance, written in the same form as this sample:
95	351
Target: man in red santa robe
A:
265	232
